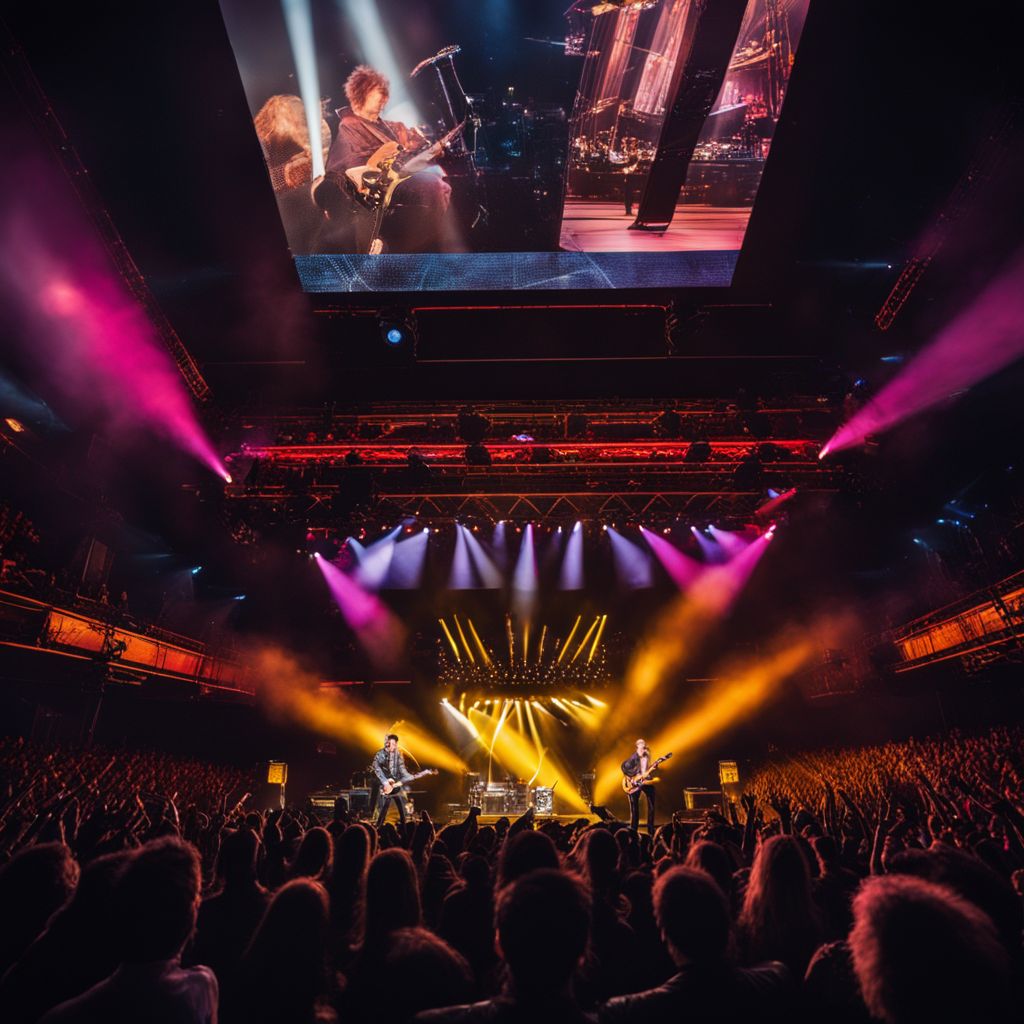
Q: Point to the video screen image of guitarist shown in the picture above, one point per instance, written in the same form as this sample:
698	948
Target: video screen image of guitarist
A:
386	176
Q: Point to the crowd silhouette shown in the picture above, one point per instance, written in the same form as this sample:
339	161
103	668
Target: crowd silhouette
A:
875	884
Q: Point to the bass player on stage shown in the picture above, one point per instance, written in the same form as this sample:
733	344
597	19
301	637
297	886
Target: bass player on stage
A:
639	763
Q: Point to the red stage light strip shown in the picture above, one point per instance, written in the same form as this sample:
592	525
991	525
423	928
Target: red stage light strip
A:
610	451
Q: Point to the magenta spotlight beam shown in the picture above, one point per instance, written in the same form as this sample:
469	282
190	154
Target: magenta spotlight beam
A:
981	340
377	630
719	587
632	563
683	569
486	570
571	576
82	329
731	543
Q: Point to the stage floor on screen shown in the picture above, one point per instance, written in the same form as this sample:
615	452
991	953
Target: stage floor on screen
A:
598	225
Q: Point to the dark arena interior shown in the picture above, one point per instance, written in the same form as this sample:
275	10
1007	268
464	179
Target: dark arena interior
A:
511	512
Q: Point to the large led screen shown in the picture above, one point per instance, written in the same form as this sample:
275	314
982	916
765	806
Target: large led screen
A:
514	144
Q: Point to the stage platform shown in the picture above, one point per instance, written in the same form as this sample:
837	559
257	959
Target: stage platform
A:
599	225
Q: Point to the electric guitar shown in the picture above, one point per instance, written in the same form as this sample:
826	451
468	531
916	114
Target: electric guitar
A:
631	783
392	785
374	182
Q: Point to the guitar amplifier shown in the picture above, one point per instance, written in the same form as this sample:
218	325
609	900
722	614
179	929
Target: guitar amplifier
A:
699	799
358	799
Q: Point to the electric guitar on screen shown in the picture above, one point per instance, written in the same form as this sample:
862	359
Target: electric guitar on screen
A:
631	783
374	182
393	785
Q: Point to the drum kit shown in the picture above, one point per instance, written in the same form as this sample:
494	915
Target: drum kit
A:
510	797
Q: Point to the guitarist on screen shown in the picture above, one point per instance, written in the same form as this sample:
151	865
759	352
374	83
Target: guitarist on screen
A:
639	763
418	205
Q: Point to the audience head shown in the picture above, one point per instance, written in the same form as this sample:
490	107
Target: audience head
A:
715	860
392	896
693	915
525	852
285	963
156	900
432	973
921	954
970	878
779	920
543	920
600	859
236	859
315	855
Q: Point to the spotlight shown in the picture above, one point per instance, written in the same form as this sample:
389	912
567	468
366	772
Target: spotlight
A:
196	570
699	451
576	425
668	424
476	454
398	332
239	597
472	426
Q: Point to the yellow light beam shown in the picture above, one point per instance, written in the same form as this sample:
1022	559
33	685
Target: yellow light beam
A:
462	637
744	689
526	640
479	643
597	639
568	639
289	691
533	725
583	643
540	649
518	755
451	639
506	707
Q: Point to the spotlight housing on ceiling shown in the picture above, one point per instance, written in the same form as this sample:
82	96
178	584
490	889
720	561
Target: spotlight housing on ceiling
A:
398	333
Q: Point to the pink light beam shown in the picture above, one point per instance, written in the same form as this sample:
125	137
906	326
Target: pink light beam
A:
980	341
82	328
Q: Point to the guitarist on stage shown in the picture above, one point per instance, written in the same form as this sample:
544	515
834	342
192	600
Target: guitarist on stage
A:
636	764
416	223
388	764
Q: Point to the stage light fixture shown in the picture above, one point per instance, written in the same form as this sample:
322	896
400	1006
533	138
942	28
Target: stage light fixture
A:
476	454
398	332
699	451
196	570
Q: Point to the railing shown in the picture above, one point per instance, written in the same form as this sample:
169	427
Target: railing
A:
989	620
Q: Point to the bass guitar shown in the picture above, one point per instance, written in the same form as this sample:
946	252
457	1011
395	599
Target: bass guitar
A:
393	785
631	783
